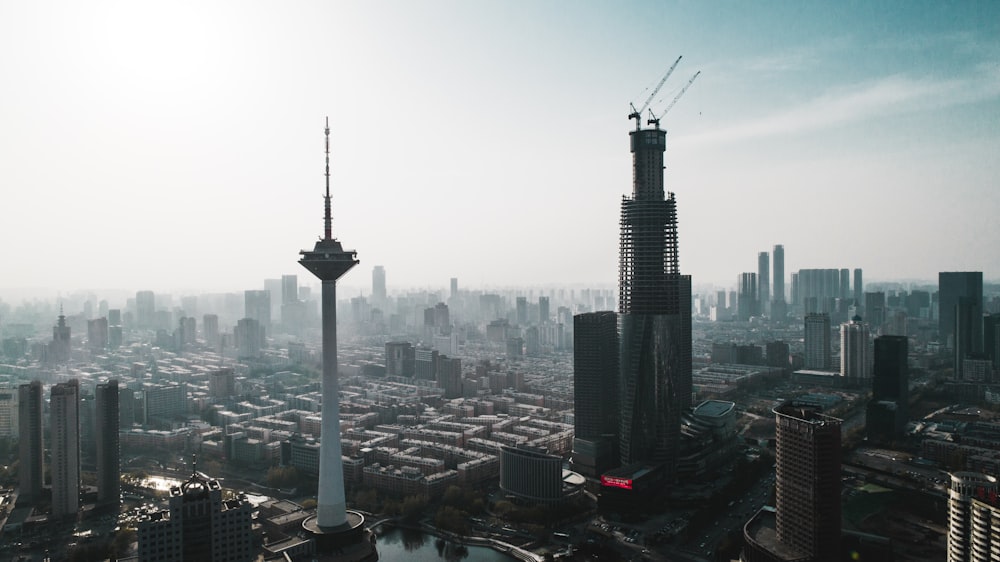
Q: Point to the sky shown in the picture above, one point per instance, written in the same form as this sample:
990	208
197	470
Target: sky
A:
179	145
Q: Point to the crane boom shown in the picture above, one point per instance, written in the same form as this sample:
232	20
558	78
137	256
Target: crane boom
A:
637	113
656	120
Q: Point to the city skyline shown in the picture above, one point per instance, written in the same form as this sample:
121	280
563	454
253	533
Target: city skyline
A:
162	130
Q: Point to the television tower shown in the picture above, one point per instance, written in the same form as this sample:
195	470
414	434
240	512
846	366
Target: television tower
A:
333	527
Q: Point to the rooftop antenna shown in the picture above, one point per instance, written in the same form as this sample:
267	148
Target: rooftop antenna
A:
327	220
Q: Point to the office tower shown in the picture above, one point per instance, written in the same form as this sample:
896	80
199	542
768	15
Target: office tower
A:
378	284
145	310
953	285
875	310
65	434
543	310
8	411
106	418
764	282
858	286
30	452
967	337
114	317
807	482
454	287
333	527
97	334
655	308
795	297
777	354
449	376
59	350
968	537
595	392
991	338
888	411
778	259
210	330
855	353
257	306
289	289
522	310
250	338
198	525
425	363
747	305
399	359
845	283
817	341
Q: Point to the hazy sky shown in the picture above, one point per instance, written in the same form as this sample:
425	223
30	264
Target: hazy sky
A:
180	144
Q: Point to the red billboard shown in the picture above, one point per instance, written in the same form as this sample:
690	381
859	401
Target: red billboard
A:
615	482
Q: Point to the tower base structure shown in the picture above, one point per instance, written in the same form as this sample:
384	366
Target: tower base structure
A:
349	542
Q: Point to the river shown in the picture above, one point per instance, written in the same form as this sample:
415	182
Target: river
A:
395	544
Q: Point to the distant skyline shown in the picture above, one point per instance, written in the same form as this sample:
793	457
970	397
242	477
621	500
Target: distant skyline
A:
179	146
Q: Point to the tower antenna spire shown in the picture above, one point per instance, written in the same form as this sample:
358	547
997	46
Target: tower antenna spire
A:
327	220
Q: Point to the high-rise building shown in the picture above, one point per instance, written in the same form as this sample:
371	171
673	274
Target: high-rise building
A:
764	282
888	411
845	283
210	329
859	287
967	337
595	392
334	528
522	310
8	411
399	359
953	285
747	305
778	258
60	349
222	383
991	338
875	308
65	435
968	534
198	525
805	522
454	288
250	338
145	310
855	353
817	341
543	310
258	307
97	334
29	416
106	420
378	285
655	308
289	289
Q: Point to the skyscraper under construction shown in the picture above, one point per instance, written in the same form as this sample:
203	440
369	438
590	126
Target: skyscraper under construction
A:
655	313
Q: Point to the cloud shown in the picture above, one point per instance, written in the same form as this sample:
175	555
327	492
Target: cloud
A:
891	95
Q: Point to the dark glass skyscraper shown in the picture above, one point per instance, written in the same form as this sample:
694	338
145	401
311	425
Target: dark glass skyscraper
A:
953	285
106	439
595	391
888	411
655	308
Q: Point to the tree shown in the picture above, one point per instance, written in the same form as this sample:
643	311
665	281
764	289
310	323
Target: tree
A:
309	503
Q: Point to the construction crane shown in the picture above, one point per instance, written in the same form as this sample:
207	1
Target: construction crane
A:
654	120
637	113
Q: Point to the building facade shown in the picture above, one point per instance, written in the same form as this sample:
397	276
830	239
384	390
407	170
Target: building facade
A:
65	435
30	451
198	525
595	392
855	353
817	341
106	421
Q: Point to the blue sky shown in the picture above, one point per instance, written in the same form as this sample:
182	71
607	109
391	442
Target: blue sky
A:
179	145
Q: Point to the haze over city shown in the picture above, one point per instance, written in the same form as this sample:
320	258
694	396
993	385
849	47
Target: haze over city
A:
168	146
